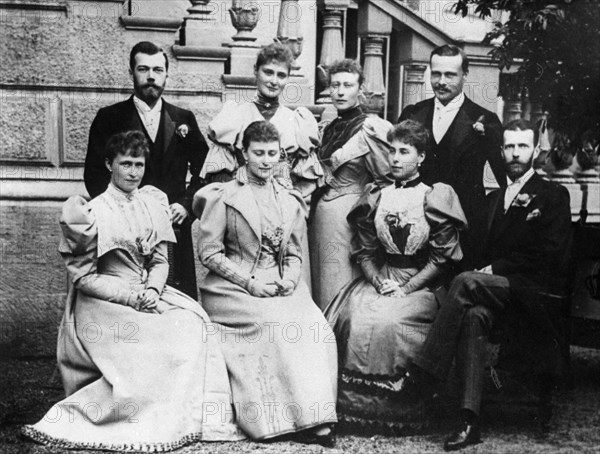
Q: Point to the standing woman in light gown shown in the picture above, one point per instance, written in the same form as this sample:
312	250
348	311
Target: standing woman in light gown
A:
353	154
408	240
298	131
139	371
279	349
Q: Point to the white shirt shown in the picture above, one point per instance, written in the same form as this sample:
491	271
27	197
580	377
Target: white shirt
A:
150	117
444	115
514	187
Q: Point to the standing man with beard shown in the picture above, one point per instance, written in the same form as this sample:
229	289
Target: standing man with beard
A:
527	245
176	147
463	136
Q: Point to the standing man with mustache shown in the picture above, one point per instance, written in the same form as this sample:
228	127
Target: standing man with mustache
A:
176	147
463	136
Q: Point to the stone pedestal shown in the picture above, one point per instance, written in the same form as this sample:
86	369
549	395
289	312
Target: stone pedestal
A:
243	58
200	27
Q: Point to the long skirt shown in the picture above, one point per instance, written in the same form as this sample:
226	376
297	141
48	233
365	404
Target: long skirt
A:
331	242
377	335
137	381
281	356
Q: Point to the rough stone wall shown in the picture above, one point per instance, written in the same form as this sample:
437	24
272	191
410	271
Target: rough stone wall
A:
61	62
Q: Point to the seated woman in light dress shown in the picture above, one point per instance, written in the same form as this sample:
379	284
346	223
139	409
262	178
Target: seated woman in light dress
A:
139	371
408	239
298	131
279	349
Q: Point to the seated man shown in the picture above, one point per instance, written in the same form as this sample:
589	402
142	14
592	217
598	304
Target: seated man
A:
527	243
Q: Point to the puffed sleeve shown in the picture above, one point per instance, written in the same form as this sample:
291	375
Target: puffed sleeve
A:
375	134
223	132
306	168
361	219
292	250
79	250
446	218
211	211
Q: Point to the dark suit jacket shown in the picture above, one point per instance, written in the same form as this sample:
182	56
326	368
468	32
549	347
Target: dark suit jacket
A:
458	160
167	168
530	246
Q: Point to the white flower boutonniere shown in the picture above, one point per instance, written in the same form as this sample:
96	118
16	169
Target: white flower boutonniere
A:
533	215
182	131
523	200
479	127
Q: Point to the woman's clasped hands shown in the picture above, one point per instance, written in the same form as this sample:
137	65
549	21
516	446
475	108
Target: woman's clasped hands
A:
148	300
261	289
389	287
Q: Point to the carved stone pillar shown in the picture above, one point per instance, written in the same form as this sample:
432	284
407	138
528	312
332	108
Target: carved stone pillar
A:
288	28
331	46
374	26
413	90
374	86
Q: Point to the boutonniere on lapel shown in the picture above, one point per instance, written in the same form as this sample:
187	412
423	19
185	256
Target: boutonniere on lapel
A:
534	214
523	200
182	131
479	127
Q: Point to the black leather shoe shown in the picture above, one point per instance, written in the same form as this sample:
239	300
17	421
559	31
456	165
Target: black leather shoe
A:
468	434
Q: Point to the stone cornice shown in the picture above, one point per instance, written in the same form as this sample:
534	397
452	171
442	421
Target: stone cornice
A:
92	89
201	53
151	23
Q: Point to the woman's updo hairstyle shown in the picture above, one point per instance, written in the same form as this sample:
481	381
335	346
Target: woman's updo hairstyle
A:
128	143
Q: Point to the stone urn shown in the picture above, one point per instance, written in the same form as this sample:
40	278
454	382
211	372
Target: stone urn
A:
244	17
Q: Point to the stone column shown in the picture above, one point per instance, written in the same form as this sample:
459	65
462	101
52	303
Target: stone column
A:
331	46
413	90
374	27
288	28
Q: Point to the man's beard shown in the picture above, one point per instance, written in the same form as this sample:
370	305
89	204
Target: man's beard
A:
149	93
516	170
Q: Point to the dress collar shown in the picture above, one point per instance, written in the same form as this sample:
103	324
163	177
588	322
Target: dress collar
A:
118	194
265	102
351	113
408	184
